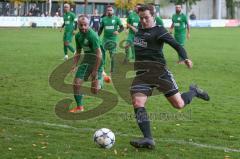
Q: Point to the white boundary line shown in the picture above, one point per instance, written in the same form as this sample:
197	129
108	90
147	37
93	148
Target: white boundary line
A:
181	142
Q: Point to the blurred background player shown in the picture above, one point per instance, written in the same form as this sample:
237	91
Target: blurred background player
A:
95	21
91	65
112	26
132	25
152	72
180	25
158	19
69	25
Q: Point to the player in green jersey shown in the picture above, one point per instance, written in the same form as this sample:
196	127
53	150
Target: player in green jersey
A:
91	65
112	26
132	24
69	25
180	25
159	21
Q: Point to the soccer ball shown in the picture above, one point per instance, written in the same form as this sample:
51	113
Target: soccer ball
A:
104	137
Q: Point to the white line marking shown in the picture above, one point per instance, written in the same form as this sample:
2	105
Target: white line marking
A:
181	142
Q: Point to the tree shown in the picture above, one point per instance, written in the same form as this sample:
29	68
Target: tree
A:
230	4
127	4
190	2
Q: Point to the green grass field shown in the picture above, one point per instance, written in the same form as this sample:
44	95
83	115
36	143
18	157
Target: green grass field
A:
30	129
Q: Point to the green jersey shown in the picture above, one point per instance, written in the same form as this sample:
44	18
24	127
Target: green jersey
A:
159	21
110	25
89	42
133	19
69	19
179	21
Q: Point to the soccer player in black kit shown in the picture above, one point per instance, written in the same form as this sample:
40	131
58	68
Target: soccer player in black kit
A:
95	21
152	72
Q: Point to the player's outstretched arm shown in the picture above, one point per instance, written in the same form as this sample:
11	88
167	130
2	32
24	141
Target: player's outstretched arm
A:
62	27
121	28
188	31
76	58
131	27
166	37
188	63
171	29
76	55
97	64
100	29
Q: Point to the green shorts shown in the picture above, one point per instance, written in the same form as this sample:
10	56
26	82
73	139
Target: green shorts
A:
110	45
130	39
180	38
67	37
85	70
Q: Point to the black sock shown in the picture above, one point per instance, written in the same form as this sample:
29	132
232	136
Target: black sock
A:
143	121
188	96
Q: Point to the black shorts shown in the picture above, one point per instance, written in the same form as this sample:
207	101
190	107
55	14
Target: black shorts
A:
161	79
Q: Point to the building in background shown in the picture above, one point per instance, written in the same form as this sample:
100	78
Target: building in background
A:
204	9
37	8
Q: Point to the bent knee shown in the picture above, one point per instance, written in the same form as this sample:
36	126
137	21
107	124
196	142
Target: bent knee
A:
178	104
77	83
66	43
137	103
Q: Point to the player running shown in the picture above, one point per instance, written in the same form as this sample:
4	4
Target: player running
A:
112	26
69	25
158	19
132	24
152	73
91	65
95	21
180	24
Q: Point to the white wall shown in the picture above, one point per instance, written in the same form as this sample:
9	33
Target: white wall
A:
203	9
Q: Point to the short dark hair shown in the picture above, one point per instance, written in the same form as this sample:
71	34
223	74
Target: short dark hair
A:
109	6
83	16
147	7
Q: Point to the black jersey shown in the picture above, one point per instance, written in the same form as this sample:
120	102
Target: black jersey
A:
95	22
148	44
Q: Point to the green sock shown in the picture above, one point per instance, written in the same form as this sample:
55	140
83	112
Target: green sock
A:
65	49
78	99
112	62
133	52
71	48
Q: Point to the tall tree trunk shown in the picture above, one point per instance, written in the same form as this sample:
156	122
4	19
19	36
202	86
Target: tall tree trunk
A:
230	9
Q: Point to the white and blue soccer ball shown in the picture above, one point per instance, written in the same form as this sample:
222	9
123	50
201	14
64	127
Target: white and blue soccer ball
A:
104	137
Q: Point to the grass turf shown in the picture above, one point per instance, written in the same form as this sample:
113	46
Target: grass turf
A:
29	127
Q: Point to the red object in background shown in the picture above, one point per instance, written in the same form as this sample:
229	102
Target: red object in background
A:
233	23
